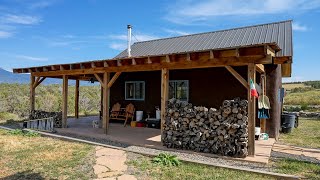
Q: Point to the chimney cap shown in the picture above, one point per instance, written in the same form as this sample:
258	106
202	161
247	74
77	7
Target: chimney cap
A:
129	26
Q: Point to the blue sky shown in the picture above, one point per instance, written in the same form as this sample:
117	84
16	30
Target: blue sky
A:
40	32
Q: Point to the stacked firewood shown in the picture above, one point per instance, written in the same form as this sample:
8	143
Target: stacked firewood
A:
57	117
220	131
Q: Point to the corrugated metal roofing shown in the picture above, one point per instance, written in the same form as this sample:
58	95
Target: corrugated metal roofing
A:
277	32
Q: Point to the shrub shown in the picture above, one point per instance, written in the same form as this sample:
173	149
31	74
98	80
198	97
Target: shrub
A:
166	160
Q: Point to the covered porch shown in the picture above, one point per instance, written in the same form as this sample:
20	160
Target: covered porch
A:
147	137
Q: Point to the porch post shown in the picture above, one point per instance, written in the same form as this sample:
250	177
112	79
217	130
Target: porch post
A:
64	101
32	93
106	93
251	111
76	111
164	94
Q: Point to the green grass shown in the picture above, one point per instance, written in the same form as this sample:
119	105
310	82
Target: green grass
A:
188	171
36	157
306	135
299	98
299	168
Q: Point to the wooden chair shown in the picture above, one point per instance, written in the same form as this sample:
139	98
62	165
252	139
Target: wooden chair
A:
115	111
122	113
129	113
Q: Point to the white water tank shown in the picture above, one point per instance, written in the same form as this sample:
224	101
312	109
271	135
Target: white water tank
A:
139	115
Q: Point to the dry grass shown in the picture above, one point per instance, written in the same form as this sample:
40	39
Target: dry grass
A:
292	86
303	98
24	157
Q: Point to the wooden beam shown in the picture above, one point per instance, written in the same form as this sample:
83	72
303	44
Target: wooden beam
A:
38	82
164	94
99	79
93	65
149	60
188	57
270	51
211	55
106	94
238	76
254	51
200	63
167	58
105	64
32	93
76	104
64	101
114	78
134	62
119	63
260	68
251	111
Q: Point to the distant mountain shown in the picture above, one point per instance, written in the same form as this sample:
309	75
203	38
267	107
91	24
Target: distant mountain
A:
9	77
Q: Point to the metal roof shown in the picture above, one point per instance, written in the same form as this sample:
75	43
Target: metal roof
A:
277	32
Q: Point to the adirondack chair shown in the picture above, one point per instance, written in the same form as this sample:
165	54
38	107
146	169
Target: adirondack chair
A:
129	113
115	111
119	113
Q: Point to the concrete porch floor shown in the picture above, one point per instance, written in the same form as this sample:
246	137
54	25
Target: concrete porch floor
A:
148	137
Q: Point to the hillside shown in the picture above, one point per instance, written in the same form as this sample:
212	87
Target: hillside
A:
9	77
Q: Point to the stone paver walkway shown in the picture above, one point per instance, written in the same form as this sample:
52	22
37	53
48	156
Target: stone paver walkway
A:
110	164
299	151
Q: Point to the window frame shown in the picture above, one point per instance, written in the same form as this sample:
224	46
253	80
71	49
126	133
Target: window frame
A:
177	81
134	82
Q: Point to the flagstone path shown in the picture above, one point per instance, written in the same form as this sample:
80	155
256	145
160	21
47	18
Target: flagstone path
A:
110	164
298	151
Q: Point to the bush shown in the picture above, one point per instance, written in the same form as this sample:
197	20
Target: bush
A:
301	89
314	84
166	160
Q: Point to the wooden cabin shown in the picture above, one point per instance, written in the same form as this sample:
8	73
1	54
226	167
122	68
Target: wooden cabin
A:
203	69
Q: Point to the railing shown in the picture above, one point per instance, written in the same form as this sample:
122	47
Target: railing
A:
45	124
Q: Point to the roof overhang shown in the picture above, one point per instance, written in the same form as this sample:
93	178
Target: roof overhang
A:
235	56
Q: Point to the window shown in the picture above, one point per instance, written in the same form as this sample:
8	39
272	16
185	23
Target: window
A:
179	89
135	90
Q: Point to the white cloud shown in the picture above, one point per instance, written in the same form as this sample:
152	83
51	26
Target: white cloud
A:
118	46
294	79
298	27
120	40
20	19
40	4
5	34
62	43
135	38
186	12
176	32
31	58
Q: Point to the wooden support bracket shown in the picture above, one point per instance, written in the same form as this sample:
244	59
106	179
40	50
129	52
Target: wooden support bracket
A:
38	81
237	76
260	68
99	79
114	78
